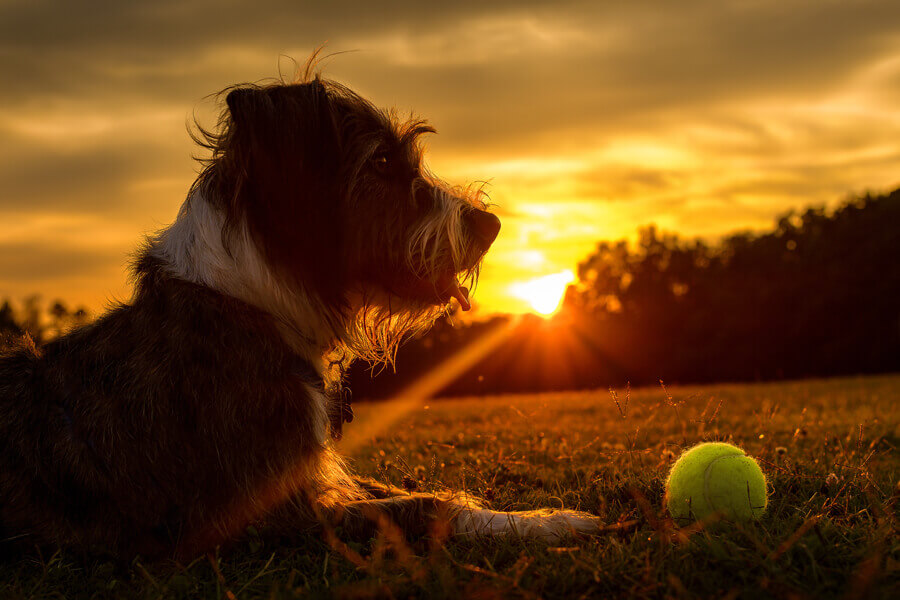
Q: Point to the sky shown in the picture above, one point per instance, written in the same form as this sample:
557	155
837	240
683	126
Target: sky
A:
587	120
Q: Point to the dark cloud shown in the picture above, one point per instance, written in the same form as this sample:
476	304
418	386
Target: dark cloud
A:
628	65
99	180
701	48
40	260
56	46
52	181
486	74
625	182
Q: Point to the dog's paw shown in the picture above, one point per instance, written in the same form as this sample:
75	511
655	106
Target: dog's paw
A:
549	525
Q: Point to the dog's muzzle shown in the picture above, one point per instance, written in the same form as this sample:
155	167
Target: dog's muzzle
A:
480	228
483	227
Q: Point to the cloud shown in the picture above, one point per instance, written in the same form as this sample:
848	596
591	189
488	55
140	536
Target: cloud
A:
39	261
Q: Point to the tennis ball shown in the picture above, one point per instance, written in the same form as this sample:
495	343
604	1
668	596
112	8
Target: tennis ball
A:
715	478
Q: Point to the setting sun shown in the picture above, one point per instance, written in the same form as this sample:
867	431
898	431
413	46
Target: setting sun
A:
545	293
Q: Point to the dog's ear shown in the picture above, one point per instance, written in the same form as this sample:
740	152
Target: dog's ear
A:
286	143
237	99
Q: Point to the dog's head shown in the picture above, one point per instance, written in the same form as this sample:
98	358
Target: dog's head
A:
333	193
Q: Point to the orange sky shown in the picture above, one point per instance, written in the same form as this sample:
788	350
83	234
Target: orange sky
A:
587	119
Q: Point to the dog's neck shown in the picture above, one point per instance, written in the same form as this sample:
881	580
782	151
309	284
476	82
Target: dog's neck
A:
193	249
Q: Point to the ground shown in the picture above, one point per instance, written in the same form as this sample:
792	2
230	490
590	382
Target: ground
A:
829	448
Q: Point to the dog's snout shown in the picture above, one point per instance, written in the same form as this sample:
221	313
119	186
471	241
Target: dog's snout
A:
484	225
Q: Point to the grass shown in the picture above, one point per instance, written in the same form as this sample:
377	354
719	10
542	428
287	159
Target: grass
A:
829	448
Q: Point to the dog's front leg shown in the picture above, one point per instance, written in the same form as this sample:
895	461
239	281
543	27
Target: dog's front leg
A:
417	515
413	516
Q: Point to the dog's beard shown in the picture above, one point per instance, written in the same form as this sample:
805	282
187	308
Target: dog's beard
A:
382	322
435	260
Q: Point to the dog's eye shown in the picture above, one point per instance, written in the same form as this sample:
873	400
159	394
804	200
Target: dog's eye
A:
380	161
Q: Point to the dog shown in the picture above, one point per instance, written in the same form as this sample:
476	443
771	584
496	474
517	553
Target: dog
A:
313	236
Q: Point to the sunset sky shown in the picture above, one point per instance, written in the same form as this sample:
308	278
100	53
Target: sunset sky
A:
588	119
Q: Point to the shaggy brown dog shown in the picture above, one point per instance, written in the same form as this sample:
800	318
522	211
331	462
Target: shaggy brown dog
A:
313	236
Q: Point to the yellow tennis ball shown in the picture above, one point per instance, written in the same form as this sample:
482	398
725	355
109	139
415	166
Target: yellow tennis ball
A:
715	478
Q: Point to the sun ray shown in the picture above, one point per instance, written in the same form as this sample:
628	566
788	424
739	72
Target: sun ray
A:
419	391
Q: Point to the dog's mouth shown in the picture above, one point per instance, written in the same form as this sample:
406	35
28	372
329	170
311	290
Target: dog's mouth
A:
439	291
450	287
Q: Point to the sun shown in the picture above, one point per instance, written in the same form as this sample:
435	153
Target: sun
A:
544	293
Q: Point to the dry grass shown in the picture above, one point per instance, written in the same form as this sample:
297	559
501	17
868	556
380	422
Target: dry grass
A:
829	447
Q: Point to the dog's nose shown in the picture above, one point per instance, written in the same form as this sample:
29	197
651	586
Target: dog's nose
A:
484	225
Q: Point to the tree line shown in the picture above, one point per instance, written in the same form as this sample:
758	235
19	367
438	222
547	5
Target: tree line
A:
41	322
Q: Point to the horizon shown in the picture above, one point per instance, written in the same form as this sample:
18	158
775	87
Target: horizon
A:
584	131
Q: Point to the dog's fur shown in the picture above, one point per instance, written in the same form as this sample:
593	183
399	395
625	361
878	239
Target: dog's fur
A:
312	236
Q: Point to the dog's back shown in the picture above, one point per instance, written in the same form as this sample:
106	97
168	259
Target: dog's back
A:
168	423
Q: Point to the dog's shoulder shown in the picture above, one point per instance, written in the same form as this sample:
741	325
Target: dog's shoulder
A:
175	341
179	320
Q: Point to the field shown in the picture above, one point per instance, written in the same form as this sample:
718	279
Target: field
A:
829	448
